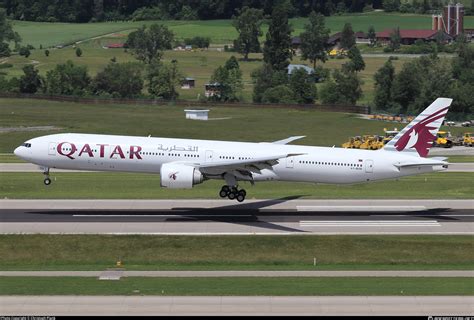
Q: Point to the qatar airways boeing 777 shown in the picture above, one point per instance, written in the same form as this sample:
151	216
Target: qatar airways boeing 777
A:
183	163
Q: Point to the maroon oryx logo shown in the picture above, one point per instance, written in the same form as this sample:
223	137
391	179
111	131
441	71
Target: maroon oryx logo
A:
173	175
419	136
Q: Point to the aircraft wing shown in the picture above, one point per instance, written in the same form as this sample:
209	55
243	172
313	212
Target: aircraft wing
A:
245	167
288	140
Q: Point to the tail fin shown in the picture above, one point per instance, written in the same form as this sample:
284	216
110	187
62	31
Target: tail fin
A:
418	136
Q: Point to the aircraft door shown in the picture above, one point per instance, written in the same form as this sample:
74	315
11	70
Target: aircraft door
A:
52	149
369	166
209	155
290	162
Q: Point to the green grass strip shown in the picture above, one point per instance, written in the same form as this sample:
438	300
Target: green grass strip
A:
446	185
237	286
333	252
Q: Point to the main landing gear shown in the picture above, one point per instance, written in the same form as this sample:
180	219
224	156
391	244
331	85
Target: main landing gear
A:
232	193
47	180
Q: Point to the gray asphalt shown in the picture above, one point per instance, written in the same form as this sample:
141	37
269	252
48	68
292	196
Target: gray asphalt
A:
287	216
28	167
214	274
237	305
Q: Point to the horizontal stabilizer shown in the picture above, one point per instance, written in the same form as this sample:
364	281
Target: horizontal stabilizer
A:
420	164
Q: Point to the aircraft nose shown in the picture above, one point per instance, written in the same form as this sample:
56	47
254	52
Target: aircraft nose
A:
20	152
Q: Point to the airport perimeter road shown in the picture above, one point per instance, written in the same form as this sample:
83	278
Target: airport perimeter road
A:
28	167
230	305
216	217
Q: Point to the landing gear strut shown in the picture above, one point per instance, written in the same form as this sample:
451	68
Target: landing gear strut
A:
232	193
47	180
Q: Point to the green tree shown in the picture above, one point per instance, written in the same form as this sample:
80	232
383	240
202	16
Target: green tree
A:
24	51
391	5
277	50
229	77
372	36
67	79
248	23
266	77
149	44
163	80
314	39
78	52
30	81
383	86
356	62
345	89
406	86
279	94
46	52
395	39
463	64
7	35
119	80
303	87
347	37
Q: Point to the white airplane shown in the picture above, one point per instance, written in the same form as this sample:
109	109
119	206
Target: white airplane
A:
183	163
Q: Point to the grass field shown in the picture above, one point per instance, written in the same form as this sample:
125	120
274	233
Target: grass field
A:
454	185
220	31
333	252
245	124
199	64
237	286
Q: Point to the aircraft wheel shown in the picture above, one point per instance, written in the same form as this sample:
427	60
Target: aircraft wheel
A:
232	195
223	193
47	181
240	197
243	192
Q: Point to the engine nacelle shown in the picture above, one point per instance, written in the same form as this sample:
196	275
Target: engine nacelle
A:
179	176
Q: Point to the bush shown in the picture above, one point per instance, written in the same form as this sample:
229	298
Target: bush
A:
5	65
278	94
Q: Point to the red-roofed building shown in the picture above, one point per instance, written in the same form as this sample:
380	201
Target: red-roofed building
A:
410	36
115	45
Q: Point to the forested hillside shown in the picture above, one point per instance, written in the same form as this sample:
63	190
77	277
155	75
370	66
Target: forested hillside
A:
113	10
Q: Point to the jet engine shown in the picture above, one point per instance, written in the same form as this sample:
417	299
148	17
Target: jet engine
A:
179	176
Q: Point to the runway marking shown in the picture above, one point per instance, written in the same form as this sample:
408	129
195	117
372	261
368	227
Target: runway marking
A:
159	215
364	223
361	208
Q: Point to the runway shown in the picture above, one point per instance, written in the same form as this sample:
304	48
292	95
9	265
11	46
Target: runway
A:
286	216
238	305
28	167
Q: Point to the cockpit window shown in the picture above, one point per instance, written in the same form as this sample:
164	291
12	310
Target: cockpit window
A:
28	145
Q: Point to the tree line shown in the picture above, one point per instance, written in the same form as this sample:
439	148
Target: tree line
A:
113	10
412	89
424	79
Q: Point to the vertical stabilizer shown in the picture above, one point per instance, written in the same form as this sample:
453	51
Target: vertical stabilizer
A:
418	136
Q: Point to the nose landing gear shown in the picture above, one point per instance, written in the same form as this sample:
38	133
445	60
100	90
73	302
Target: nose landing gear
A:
232	193
47	180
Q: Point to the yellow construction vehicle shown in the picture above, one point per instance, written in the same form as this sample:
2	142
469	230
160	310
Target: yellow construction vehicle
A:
468	140
443	139
337	52
367	141
353	143
378	143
